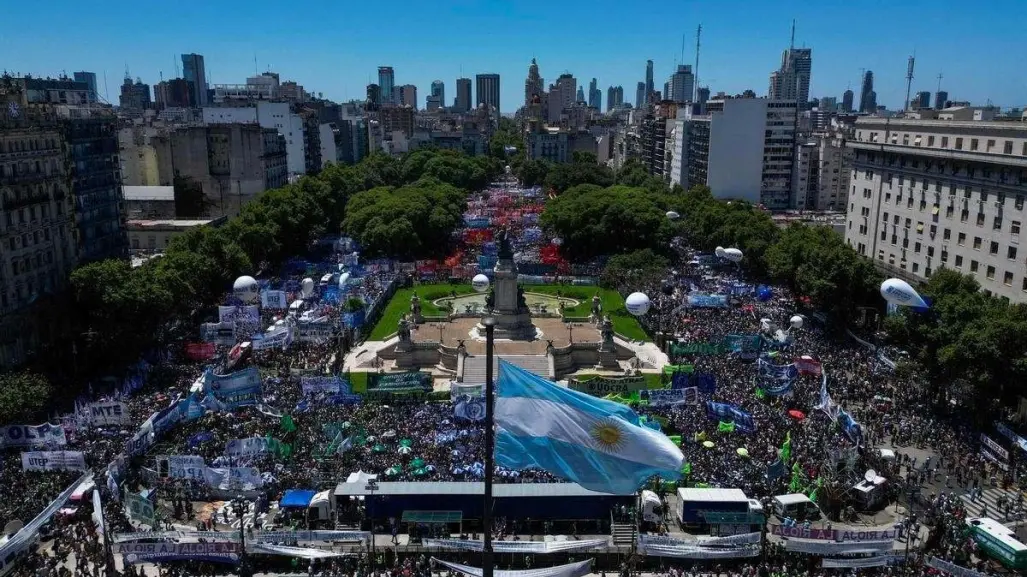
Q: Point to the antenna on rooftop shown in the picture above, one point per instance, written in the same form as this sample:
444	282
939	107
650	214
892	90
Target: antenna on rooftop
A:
695	72
791	46
909	79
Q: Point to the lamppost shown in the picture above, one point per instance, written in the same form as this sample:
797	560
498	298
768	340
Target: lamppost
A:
371	487
441	327
490	444
570	332
240	506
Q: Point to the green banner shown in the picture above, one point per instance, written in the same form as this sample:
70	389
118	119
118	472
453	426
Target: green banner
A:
410	381
602	386
139	508
680	349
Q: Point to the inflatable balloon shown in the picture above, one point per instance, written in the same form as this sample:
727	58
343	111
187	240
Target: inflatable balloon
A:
557	241
796	322
637	304
719	252
673	215
246	289
898	291
733	254
307	287
480	283
343	279
765	325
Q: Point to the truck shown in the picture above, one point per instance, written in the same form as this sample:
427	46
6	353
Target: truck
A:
693	505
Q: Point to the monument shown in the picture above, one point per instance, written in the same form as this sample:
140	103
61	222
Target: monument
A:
513	319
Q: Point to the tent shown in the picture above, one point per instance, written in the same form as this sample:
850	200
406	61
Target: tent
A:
297	498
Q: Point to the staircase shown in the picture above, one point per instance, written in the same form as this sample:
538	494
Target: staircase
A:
474	367
623	534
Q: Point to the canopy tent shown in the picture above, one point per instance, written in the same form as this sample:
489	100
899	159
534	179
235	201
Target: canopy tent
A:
360	477
579	569
300	498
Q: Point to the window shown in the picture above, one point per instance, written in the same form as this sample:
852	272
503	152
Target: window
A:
944	141
997	224
973	146
930	141
990	274
930	251
1007	148
961	239
944	255
916	266
977	243
1011	253
959	144
994	247
916	248
959	261
964	215
946	234
1014	226
974	265
1019	202
980	219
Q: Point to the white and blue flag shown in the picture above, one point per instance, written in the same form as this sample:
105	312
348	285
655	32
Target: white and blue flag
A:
599	444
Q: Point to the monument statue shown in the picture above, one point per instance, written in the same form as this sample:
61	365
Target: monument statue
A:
606	329
403	330
415	308
505	302
597	308
505	251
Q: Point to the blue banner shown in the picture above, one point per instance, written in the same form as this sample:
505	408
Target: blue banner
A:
237	389
169	417
313	385
354	320
199	438
707	301
776	380
852	429
729	412
705	382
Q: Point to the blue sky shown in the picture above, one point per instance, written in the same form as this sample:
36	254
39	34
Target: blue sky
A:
336	47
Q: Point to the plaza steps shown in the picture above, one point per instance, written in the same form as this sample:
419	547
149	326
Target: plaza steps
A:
474	366
623	534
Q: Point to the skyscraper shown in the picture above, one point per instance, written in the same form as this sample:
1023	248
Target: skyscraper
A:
595	95
374	97
533	84
90	79
194	71
847	101
488	90
407	96
640	95
438	90
940	97
648	80
462	102
611	98
561	96
791	81
921	100
681	84
867	98
387	84
580	96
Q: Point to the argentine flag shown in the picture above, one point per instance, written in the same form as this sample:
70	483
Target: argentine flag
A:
598	444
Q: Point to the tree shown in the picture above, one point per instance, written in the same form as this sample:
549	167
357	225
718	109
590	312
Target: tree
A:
634	269
24	397
532	172
561	177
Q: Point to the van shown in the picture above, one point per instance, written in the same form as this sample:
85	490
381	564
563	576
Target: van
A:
796	506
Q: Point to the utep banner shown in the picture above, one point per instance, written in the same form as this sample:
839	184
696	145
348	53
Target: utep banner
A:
108	413
728	412
249	314
414	380
707	301
237	389
271	299
155	552
33	436
314	385
53	461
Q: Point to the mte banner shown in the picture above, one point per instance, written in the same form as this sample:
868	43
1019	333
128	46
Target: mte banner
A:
32	436
602	386
108	413
53	461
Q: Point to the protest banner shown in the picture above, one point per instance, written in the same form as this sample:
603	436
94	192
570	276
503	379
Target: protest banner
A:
602	386
53	461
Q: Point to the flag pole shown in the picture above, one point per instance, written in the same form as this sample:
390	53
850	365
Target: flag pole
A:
490	444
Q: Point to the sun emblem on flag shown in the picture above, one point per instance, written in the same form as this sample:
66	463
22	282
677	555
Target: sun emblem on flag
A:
607	434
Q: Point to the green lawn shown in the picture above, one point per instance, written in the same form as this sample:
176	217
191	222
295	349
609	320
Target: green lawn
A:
613	304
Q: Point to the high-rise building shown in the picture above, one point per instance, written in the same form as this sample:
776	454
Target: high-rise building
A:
640	95
438	90
462	102
867	97
827	104
135	97
174	93
194	71
649	88
921	100
387	84
681	84
580	96
612	95
374	97
407	96
971	225
561	96
487	90
791	81
940	98
90	79
532	84
847	98
595	95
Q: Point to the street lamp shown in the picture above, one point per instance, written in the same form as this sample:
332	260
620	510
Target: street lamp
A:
240	506
441	327
371	487
490	444
570	332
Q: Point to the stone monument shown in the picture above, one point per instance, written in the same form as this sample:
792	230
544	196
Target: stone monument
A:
513	319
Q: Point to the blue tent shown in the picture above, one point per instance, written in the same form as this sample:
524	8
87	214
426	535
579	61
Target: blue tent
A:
299	498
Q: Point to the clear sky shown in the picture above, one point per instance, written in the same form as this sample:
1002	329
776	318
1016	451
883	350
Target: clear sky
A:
336	47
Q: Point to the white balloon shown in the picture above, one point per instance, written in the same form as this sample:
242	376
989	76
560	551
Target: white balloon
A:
719	252
898	291
796	322
246	289
307	287
480	283
733	254
765	325
637	304
673	215
343	280
557	241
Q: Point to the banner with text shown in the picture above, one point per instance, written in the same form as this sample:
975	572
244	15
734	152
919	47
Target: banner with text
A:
237	389
602	386
53	461
108	413
44	435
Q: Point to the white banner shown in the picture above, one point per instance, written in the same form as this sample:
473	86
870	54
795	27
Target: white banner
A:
108	413
742	539
246	447
579	569
994	459
245	478
876	561
694	552
249	314
541	547
271	299
175	535
995	447
53	461
187	467
833	548
98	512
278	337
310	536
298	552
457	389
953	569
33	436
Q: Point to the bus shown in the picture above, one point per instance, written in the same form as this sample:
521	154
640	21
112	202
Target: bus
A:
999	541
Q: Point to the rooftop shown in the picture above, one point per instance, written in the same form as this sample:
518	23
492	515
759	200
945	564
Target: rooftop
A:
141	193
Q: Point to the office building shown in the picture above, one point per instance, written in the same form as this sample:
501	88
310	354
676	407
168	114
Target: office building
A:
397	119
408	96
533	84
828	104
193	70
595	95
462	102
558	145
174	93
374	97
649	88
680	85
487	91
867	96
940	98
922	100
135	97
387	85
640	96
791	80
742	148
614	97
834	172
562	95
438	90
90	80
847	98
934	193
284	118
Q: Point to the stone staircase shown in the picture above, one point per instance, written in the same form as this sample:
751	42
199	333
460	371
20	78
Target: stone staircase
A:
623	534
474	367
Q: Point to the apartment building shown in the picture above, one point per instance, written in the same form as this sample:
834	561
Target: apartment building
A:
931	193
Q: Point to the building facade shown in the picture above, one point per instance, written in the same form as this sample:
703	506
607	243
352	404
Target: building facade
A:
174	93
791	81
681	84
280	116
932	193
387	84
194	71
463	100
408	96
487	91
89	78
